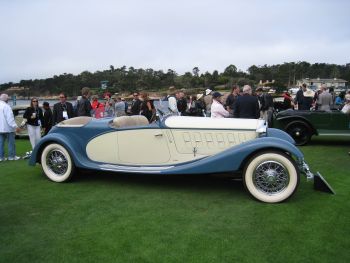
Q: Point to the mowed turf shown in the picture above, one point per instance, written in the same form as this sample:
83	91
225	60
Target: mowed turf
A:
105	217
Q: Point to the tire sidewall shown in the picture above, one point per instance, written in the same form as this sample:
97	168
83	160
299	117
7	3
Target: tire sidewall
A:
50	174
299	124
286	161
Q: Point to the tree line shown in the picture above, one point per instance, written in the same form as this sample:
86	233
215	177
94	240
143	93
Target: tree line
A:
130	79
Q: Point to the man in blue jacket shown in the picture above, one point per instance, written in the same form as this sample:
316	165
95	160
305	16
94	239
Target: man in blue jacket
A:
246	106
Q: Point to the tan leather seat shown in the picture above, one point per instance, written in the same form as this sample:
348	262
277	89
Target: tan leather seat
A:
75	122
126	121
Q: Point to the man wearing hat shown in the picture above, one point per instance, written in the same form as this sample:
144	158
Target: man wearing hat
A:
208	100
246	106
217	109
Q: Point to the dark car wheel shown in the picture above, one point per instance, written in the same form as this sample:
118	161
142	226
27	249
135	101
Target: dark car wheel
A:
271	177
300	132
57	163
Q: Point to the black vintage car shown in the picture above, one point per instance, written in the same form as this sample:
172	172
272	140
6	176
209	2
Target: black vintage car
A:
302	125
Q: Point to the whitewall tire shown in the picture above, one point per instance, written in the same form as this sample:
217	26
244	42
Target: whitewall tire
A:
271	177
57	163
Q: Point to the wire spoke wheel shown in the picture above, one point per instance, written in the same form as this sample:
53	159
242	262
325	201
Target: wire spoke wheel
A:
271	177
57	163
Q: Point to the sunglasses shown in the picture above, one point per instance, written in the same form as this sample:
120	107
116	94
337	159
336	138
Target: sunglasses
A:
61	97
34	101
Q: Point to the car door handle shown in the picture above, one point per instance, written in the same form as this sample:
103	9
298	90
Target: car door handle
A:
158	134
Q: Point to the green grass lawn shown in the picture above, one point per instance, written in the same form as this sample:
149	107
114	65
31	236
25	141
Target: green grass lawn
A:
104	217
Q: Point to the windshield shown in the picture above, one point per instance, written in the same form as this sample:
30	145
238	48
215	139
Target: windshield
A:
162	107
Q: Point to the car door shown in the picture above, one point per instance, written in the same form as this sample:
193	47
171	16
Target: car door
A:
340	123
142	147
321	120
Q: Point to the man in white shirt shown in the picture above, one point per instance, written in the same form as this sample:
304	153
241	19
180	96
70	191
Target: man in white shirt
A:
8	127
217	109
208	100
172	101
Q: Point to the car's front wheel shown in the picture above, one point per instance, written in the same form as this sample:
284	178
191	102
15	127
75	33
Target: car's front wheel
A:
271	177
57	163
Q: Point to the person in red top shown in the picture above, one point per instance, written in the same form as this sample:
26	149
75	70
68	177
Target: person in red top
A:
97	108
287	101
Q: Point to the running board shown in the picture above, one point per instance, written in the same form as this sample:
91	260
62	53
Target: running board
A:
134	169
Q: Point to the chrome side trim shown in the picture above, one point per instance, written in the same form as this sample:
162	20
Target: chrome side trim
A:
334	134
134	169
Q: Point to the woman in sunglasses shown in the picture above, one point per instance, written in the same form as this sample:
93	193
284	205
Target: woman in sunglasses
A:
35	118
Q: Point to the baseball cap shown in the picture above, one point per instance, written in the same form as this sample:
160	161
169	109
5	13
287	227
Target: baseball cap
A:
216	94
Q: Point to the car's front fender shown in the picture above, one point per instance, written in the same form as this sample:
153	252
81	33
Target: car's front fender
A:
73	145
276	133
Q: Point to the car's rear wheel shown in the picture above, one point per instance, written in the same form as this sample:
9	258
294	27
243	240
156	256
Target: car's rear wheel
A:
57	163
300	132
271	177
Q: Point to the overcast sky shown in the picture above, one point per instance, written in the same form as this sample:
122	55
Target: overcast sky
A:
40	38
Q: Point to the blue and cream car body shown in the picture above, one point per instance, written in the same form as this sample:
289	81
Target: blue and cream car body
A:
266	158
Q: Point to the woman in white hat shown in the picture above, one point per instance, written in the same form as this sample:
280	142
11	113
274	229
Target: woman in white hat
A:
346	107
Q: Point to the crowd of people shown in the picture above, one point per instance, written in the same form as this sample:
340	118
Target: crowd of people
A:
210	103
238	104
323	99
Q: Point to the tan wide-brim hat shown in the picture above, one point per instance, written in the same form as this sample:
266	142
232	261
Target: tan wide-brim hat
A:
309	93
199	96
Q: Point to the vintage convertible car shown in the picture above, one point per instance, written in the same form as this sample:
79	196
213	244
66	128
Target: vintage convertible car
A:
18	112
265	158
302	125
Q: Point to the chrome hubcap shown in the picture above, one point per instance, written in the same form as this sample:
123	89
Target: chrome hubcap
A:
271	177
57	162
